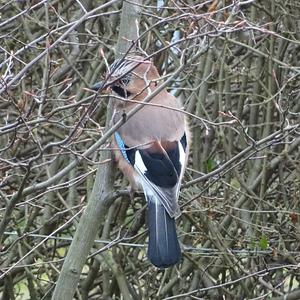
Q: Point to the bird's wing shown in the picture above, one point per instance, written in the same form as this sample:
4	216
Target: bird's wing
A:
160	169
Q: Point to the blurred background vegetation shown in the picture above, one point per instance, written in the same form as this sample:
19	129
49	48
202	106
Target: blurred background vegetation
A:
240	86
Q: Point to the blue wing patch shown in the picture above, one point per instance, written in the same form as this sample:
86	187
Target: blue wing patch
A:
121	146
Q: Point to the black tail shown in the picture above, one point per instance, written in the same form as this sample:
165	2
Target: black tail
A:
163	249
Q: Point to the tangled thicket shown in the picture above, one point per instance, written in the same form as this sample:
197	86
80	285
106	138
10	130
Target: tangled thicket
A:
240	86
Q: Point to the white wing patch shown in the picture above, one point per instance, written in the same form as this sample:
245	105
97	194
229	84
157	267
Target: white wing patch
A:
140	167
182	158
181	154
139	164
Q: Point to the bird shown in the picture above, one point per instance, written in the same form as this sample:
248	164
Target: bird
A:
151	149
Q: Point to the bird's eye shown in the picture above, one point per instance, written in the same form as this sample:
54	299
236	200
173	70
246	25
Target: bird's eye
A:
125	80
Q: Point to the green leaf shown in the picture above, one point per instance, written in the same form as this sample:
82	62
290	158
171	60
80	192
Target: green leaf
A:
210	165
263	242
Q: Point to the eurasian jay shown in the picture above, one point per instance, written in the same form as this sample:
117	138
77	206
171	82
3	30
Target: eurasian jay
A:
151	149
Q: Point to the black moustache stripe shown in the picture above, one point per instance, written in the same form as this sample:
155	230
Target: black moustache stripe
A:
120	91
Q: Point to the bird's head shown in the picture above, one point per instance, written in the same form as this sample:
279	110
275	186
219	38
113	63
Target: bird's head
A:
131	77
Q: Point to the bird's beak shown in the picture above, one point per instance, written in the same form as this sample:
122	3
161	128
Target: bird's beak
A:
102	86
99	86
